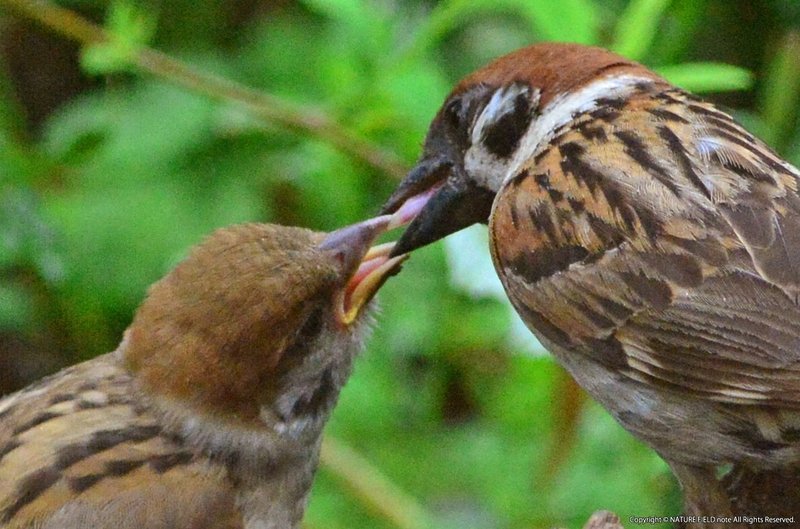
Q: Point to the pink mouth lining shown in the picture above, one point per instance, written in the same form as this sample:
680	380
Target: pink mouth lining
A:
411	208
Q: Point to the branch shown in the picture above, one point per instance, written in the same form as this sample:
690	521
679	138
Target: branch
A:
264	106
375	490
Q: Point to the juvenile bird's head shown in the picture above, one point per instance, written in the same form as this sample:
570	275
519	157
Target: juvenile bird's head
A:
495	120
259	325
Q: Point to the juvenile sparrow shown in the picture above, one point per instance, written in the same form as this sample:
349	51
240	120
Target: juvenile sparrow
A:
210	412
649	241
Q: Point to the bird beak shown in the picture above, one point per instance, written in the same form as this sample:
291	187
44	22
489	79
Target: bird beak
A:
367	267
442	200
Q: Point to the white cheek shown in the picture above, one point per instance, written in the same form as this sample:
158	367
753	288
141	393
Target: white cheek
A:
485	169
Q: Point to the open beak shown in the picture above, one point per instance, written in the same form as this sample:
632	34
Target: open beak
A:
442	199
375	268
366	267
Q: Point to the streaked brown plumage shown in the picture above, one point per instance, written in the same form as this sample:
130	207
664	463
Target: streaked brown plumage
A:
210	412
647	239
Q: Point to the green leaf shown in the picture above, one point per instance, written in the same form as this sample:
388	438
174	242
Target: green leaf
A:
567	21
678	31
351	11
415	91
129	28
362	25
25	238
270	59
782	92
128	129
563	21
16	307
637	27
444	18
20	163
703	77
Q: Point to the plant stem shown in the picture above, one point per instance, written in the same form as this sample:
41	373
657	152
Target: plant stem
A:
372	488
780	93
266	107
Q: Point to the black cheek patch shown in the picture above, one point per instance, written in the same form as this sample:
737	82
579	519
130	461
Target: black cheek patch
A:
501	138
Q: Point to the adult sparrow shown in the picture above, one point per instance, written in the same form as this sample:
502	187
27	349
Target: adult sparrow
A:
648	240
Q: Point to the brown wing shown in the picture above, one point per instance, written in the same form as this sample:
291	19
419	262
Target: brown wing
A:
663	241
77	451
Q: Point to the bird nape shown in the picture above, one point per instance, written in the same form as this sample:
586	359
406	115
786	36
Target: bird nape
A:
648	240
209	414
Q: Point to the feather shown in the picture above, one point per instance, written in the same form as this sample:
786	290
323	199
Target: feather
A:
657	254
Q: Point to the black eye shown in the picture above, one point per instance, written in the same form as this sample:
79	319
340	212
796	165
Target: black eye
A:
453	113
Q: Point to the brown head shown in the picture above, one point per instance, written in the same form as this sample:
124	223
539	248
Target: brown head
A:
260	323
494	119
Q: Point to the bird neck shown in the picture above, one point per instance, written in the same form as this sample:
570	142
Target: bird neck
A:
245	447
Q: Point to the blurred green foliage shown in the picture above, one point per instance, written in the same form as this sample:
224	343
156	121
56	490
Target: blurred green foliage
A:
104	195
